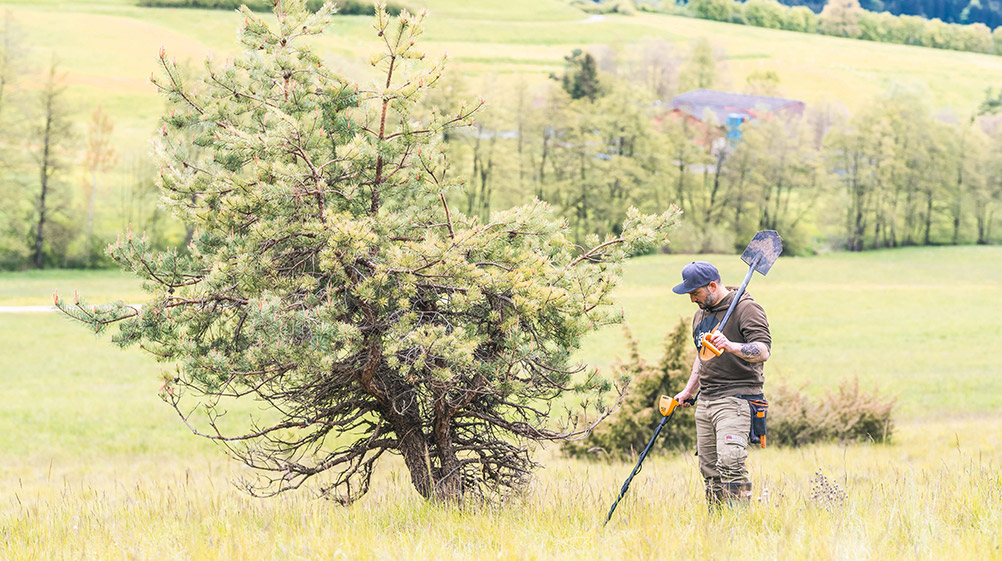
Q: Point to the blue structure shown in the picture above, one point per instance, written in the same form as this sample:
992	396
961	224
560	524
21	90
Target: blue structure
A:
733	126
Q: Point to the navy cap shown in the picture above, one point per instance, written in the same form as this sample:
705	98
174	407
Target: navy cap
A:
695	275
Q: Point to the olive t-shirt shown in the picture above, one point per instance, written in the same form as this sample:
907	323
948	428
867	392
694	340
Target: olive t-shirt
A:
728	375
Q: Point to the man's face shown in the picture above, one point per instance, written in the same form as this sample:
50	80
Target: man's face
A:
703	296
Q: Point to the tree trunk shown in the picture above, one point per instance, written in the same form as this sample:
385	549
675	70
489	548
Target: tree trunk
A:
958	203
449	483
441	483
542	162
927	240
45	172
414	449
710	208
40	227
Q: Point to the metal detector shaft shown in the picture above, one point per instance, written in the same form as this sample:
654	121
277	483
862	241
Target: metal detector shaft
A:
636	469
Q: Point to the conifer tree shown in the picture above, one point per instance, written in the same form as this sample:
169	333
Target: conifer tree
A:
330	284
580	78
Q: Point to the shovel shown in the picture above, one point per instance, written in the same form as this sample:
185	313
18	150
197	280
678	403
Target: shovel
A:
760	254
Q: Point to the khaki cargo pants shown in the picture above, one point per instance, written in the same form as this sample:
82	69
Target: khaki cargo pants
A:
722	427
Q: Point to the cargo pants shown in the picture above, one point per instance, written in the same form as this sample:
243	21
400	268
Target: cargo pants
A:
722	427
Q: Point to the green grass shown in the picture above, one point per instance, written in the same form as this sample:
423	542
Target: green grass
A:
94	466
69	395
35	288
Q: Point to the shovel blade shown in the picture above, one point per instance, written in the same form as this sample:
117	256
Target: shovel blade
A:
763	250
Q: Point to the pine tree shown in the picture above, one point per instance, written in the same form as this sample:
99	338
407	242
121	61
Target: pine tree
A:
580	78
330	281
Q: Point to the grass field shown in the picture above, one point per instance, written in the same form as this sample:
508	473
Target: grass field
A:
94	466
108	49
936	494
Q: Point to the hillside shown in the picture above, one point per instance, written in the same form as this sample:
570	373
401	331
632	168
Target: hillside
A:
108	49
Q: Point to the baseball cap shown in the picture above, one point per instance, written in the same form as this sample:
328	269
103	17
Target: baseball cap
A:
695	275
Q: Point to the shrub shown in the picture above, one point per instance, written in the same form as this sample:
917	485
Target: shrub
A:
793	419
764	13
624	7
801	18
255	5
629	430
845	415
717	10
363	7
852	415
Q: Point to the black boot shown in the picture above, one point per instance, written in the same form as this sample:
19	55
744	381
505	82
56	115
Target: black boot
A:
714	495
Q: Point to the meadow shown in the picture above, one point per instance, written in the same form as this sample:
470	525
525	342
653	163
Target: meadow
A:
108	48
94	466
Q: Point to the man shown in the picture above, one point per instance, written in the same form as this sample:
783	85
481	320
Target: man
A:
724	382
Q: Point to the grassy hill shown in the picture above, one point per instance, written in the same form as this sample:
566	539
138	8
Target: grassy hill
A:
108	49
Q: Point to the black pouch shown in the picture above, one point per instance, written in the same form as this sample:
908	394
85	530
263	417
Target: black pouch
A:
759	407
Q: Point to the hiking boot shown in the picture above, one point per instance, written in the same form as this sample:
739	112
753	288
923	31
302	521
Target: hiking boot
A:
737	494
714	495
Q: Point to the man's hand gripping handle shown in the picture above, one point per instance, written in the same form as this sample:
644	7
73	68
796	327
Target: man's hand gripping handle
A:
668	404
708	345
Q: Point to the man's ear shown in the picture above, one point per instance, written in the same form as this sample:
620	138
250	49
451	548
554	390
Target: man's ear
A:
712	286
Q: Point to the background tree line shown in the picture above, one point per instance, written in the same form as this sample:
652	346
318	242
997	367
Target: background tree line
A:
599	138
960	26
592	142
988	12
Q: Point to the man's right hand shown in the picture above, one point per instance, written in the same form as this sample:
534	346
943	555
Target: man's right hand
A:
683	397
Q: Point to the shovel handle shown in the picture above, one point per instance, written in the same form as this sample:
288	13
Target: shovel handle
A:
708	345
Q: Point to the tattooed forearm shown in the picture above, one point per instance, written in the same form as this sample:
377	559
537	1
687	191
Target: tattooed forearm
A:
753	352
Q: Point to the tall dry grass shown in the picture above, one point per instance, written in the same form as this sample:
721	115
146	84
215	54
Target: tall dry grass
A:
935	493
